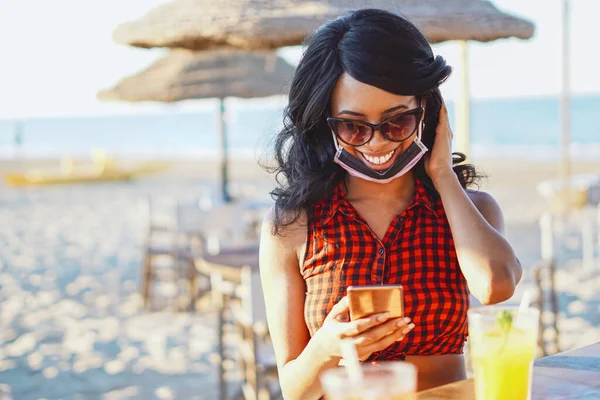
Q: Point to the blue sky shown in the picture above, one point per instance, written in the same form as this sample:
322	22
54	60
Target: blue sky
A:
55	55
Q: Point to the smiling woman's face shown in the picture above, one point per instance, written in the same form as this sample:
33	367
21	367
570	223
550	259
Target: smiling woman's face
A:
355	100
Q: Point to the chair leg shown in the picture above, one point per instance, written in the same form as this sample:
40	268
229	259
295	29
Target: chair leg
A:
193	290
264	393
147	281
251	370
537	275
203	294
175	301
219	301
554	302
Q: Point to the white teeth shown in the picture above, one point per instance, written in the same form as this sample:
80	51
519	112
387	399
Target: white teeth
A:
379	160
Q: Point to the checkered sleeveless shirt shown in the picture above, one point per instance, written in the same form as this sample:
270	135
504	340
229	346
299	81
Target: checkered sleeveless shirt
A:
417	252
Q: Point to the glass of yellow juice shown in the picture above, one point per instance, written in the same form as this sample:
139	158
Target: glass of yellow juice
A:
389	380
503	342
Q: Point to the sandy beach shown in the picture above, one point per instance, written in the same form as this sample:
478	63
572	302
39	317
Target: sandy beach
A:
71	326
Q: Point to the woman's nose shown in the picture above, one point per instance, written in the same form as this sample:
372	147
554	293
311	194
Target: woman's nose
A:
378	141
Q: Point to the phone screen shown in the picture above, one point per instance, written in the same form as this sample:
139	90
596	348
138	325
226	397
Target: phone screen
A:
368	300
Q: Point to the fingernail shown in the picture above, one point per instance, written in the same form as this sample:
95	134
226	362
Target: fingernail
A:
400	338
407	320
410	326
383	317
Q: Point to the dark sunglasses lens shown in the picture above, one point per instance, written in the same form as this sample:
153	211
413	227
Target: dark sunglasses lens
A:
353	133
401	127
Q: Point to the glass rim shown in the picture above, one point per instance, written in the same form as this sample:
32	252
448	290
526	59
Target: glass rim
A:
394	366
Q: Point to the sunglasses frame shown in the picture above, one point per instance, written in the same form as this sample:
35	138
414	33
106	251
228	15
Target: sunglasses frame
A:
419	111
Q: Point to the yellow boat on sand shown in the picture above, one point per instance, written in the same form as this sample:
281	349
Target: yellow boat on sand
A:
102	170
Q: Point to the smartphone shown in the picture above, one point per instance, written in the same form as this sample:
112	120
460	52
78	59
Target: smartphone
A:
374	299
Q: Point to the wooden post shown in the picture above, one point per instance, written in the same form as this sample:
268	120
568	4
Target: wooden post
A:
587	242
462	110
219	301
598	224
224	152
565	108
554	305
539	302
547	237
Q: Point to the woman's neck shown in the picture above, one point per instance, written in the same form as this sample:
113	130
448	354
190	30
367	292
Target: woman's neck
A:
401	188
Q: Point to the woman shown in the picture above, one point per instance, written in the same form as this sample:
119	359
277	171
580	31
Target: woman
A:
369	197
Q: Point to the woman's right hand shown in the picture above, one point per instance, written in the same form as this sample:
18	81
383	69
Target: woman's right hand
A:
370	334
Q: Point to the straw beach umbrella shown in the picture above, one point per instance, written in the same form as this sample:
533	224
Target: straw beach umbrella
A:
185	74
270	24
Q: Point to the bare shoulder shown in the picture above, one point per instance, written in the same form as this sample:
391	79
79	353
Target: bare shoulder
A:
482	199
290	238
488	207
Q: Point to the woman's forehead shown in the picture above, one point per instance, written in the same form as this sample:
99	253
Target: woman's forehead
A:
350	94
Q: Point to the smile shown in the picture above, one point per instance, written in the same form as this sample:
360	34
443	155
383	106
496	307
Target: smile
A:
379	160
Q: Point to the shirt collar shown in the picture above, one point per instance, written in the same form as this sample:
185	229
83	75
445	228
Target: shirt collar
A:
339	203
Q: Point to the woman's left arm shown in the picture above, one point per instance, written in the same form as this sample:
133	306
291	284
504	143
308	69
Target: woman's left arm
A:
486	259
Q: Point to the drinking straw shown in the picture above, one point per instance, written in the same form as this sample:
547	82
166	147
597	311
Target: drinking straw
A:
525	301
352	363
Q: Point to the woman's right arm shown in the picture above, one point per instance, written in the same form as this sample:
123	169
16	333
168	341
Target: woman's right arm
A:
300	360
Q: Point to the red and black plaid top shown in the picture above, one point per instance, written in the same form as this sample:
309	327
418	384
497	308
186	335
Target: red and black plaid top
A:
417	252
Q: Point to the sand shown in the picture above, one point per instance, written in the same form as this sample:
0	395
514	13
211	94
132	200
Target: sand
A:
71	326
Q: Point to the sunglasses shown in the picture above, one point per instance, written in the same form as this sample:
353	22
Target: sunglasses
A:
395	129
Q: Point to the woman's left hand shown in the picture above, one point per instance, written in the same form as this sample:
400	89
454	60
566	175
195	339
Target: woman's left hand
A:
439	160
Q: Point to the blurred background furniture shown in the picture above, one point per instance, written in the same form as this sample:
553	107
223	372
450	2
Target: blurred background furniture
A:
182	235
569	230
237	294
163	252
547	302
572	212
213	251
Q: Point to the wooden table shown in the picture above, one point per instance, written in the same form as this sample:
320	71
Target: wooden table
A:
574	374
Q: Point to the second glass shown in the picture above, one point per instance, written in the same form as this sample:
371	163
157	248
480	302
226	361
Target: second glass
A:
503	345
392	380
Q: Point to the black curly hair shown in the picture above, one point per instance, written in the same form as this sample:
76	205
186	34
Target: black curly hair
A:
358	44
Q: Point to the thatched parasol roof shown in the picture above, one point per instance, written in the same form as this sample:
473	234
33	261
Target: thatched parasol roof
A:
222	73
270	24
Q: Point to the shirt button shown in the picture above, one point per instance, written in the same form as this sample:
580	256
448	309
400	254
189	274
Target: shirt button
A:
381	251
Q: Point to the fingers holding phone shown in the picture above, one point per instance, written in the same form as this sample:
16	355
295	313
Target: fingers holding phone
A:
379	332
373	316
366	300
337	327
382	336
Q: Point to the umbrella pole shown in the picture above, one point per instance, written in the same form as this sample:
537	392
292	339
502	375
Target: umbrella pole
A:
565	110
462	111
224	152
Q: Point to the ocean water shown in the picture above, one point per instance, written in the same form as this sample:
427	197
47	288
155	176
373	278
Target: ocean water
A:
502	128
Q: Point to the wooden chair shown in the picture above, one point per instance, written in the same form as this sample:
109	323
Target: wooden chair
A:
244	299
193	234
177	239
160	243
213	234
547	301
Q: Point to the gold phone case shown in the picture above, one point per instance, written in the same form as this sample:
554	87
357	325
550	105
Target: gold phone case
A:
373	299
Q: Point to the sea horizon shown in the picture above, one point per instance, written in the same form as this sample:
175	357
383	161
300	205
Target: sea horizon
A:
521	127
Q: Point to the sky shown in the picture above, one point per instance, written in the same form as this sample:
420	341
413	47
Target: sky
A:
55	55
